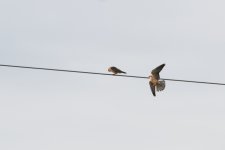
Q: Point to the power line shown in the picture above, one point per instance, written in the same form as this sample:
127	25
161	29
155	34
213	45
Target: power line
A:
96	73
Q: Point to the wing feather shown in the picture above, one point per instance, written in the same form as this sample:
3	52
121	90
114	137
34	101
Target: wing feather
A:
158	69
116	70
152	88
155	72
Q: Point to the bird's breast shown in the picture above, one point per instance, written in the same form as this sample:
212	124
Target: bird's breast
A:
154	81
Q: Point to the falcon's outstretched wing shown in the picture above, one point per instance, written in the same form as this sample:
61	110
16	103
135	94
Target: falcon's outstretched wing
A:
156	71
152	88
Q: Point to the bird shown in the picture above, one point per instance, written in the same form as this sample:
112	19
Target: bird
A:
155	82
115	70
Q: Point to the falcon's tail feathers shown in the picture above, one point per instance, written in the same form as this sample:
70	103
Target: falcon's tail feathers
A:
161	85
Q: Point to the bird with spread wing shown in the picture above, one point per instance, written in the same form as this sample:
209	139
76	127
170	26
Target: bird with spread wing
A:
155	82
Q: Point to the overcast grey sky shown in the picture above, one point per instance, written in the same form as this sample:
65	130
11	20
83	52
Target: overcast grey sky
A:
41	110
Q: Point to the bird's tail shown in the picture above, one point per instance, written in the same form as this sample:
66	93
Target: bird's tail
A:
161	85
123	72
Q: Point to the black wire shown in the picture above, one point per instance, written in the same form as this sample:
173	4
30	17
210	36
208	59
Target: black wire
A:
202	82
85	72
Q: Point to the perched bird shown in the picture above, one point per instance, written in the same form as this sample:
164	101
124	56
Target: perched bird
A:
115	70
155	82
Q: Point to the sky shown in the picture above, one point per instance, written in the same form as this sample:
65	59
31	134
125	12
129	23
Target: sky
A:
44	110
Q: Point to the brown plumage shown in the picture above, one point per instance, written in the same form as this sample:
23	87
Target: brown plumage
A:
155	82
115	70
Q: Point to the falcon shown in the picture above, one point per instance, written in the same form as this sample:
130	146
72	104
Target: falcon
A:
115	70
155	82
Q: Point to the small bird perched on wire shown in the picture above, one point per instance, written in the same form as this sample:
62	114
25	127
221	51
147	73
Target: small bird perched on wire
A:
155	82
115	70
